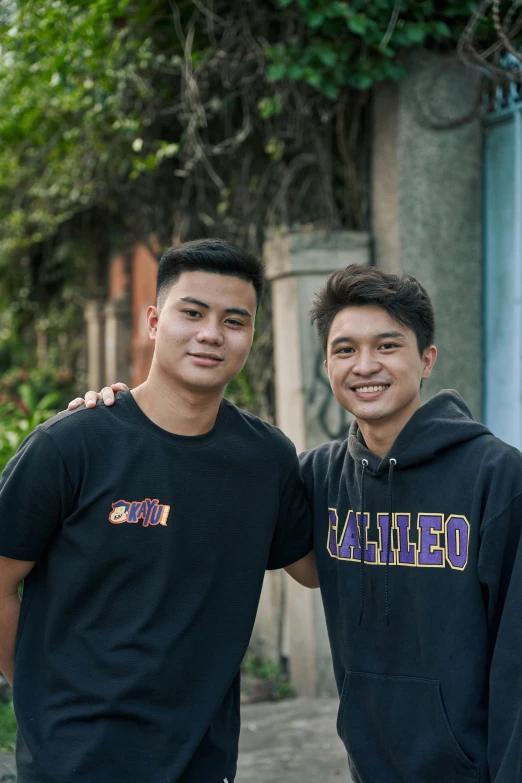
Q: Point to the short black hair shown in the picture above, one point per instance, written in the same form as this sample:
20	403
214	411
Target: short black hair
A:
402	296
209	255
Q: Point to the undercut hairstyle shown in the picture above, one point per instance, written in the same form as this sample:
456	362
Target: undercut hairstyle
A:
208	255
401	296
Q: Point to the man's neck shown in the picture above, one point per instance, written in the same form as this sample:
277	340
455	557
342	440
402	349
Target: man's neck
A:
380	435
179	411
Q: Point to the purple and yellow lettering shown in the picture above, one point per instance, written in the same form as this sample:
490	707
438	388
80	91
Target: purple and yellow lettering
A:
349	548
406	549
370	547
457	540
430	553
148	503
333	523
382	524
155	513
133	512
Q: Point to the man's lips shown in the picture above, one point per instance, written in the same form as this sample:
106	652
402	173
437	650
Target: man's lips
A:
205	359
369	391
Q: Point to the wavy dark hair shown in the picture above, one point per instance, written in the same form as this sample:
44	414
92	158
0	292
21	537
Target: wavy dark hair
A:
402	296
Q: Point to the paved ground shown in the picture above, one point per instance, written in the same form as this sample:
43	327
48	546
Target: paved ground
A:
293	741
6	767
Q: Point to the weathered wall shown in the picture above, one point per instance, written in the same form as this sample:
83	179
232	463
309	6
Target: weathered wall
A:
297	265
427	206
144	272
118	346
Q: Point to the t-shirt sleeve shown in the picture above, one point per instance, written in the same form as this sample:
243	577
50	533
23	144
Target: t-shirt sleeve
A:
35	493
293	533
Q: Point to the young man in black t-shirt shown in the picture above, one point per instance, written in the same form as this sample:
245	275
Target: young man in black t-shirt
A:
418	545
142	532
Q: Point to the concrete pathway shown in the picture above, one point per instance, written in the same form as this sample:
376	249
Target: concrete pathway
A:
7	768
292	741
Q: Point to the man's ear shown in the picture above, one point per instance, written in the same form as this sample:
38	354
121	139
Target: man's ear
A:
428	360
152	321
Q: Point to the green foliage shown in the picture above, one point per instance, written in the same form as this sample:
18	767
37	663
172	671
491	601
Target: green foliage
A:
337	45
263	669
240	392
22	409
76	96
88	88
124	120
7	727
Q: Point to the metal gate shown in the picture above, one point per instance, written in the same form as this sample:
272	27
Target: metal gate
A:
503	266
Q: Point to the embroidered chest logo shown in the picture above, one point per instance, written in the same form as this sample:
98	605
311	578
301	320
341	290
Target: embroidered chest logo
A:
152	512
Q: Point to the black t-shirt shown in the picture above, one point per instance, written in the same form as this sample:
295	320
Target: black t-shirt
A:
150	550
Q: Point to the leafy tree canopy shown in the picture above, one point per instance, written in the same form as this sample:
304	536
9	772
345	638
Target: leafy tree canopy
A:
127	119
96	94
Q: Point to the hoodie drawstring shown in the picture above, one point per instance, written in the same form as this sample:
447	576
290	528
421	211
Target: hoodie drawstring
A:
360	528
362	541
392	464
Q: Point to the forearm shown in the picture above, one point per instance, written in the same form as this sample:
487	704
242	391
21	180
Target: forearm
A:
9	617
304	571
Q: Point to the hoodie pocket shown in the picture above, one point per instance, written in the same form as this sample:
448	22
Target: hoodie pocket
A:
395	729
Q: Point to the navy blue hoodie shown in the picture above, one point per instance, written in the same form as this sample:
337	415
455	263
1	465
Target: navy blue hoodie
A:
426	626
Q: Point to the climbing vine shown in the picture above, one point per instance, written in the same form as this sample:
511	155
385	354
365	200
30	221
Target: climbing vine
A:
124	120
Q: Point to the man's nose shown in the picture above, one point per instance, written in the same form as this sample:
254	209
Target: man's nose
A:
210	332
367	363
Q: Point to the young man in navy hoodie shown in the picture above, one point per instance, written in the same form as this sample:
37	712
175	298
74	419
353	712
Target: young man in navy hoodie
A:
417	520
417	525
143	532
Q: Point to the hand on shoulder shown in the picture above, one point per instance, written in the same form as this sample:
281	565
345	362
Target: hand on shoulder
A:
92	397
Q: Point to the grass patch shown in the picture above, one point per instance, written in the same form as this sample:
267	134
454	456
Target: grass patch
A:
263	669
7	727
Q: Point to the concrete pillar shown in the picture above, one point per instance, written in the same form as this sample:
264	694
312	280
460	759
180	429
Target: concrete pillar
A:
297	264
118	340
427	206
95	321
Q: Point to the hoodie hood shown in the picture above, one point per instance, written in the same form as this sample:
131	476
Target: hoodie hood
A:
440	423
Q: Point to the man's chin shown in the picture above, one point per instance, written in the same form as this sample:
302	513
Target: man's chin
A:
211	384
370	412
372	416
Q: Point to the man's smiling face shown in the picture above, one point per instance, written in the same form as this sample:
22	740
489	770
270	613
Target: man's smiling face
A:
203	330
374	365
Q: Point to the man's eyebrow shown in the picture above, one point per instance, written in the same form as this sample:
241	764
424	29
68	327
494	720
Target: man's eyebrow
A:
394	335
229	310
191	300
238	311
382	336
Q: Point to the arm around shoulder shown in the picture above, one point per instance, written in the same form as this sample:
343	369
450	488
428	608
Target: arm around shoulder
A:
304	571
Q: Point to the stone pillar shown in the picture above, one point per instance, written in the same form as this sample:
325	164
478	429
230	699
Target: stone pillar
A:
427	205
118	340
297	264
95	321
